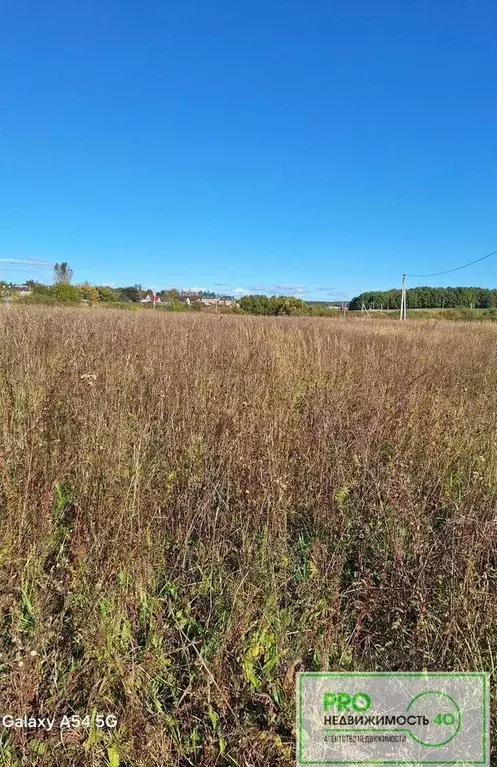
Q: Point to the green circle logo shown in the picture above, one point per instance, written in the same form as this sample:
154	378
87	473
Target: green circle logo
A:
444	715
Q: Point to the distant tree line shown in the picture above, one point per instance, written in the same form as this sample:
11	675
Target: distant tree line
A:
428	298
63	292
283	305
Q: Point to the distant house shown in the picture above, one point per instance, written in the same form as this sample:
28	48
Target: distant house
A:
225	302
150	298
189	297
21	290
10	292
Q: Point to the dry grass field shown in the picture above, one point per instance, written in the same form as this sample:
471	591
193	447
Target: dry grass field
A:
195	508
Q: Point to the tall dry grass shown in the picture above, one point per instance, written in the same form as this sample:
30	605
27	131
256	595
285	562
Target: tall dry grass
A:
195	508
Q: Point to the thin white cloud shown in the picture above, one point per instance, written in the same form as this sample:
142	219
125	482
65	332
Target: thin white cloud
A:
299	290
326	290
24	262
330	292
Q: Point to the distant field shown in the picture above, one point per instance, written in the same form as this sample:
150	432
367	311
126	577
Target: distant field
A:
461	314
194	508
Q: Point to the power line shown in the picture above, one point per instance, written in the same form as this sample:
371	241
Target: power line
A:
448	271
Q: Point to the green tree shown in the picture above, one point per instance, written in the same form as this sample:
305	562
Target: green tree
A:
64	293
255	304
89	293
170	295
276	305
107	294
131	293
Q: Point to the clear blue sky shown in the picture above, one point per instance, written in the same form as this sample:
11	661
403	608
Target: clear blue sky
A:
319	147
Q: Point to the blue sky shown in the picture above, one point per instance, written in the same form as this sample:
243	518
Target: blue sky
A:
314	147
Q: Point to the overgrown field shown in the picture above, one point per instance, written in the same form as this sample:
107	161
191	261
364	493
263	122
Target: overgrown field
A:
461	314
195	508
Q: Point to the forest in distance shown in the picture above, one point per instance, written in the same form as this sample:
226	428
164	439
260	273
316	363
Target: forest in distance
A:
425	297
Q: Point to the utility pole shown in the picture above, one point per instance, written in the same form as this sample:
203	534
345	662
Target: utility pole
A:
403	300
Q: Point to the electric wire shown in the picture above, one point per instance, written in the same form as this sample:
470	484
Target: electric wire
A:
456	268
